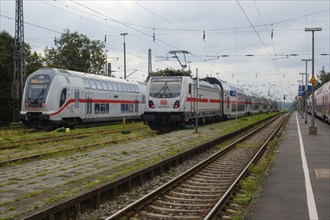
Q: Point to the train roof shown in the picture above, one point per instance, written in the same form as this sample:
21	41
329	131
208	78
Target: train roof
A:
55	71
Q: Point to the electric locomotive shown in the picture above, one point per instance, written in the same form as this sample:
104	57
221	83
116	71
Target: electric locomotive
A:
54	97
173	101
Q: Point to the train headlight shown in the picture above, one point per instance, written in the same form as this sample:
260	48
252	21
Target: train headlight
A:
176	104
42	104
151	104
27	104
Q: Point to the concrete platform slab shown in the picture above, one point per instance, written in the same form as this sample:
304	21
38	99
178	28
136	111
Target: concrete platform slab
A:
298	185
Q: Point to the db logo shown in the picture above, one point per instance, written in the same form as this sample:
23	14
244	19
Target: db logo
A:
163	102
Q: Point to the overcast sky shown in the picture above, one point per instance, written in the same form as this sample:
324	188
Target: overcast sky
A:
256	43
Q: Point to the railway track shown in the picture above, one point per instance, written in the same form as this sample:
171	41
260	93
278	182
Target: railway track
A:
44	140
202	191
142	133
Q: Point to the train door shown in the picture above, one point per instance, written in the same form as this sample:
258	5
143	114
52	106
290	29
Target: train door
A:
136	101
89	106
191	92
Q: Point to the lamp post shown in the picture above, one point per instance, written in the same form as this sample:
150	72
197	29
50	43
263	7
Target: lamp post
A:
312	128
306	89
124	34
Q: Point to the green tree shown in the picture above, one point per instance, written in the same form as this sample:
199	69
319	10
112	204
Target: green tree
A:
6	77
75	51
170	72
33	62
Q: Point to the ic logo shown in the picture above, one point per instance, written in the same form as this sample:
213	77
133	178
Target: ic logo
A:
163	102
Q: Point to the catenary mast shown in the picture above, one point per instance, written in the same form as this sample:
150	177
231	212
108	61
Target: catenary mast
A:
19	60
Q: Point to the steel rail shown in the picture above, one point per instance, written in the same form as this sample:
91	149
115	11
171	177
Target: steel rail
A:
159	191
93	198
222	201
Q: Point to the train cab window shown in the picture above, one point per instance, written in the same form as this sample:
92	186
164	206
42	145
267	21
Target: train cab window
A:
37	87
93	84
62	97
86	83
105	86
76	94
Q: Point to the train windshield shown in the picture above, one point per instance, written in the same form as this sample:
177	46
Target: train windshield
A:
165	88
38	86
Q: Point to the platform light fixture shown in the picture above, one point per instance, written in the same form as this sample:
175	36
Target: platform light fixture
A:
312	128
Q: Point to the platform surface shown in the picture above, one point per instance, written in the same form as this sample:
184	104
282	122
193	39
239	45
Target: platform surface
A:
298	184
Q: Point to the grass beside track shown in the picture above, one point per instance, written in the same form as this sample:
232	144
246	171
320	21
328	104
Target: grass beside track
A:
94	135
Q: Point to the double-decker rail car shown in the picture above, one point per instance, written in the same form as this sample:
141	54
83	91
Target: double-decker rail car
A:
322	102
54	97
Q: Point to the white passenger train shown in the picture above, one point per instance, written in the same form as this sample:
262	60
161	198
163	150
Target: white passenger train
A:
322	102
174	101
55	97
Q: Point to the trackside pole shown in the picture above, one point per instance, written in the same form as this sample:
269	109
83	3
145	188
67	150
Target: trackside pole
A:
196	106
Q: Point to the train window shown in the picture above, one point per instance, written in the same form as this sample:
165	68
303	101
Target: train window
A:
120	88
86	83
107	108
105	86
98	85
124	87
129	88
110	86
93	84
165	89
136	88
115	87
129	107
189	88
76	94
97	108
136	106
62	97
102	109
122	108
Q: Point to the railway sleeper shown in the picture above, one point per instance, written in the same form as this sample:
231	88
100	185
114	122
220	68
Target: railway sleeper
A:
185	195
202	186
189	212
206	182
166	203
173	217
198	190
190	200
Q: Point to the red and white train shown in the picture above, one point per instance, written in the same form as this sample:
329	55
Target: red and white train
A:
55	97
322	102
174	101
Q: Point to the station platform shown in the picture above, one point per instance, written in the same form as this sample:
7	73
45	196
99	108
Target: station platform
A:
298	183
